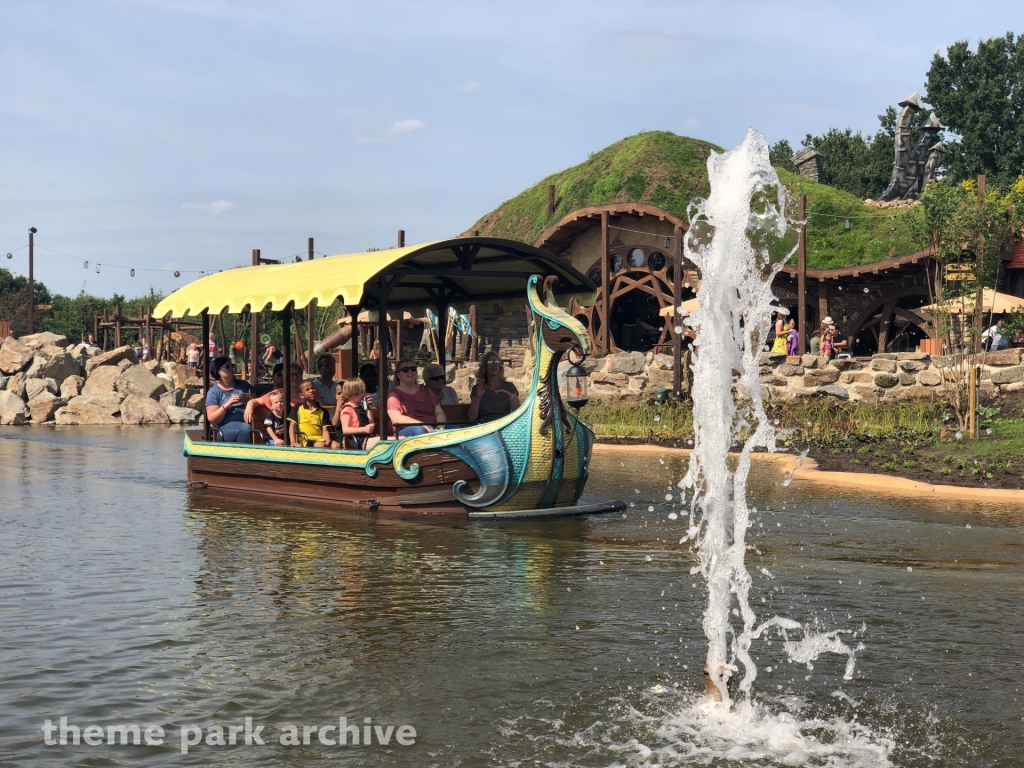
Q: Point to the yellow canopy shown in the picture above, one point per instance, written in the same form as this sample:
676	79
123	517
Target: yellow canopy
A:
459	270
991	301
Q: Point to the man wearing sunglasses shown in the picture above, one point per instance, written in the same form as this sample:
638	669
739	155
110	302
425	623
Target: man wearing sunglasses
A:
433	378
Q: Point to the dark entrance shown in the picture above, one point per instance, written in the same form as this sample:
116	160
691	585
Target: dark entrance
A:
635	322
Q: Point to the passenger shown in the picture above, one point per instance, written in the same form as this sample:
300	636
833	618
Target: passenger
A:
781	335
325	383
264	400
193	355
352	416
411	406
273	424
492	397
226	403
433	379
308	423
368	373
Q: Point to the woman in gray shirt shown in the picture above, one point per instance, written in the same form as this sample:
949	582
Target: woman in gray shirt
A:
492	397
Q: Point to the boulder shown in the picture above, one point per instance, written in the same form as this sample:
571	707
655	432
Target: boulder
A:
847	364
136	380
37	340
600	377
3	382
929	377
101	381
44	406
33	387
923	357
630	363
1009	375
834	390
52	362
820	377
812	361
14	355
113	357
139	409
71	387
887	355
884	365
793	360
911	366
1002	357
918	391
886	380
865	392
855	377
773	380
788	369
13	410
182	415
906	379
151	365
196	400
91	409
16	384
174	397
772	358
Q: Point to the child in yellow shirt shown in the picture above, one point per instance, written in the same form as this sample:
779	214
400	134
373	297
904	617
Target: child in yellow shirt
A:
308	422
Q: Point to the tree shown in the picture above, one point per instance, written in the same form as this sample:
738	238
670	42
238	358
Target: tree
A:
980	96
854	163
14	301
780	155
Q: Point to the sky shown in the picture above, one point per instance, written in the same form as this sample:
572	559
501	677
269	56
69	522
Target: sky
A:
180	134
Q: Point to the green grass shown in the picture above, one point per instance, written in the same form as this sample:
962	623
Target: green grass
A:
1011	433
662	169
618	418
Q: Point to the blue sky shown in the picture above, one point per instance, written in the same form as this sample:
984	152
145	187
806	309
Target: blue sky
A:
180	134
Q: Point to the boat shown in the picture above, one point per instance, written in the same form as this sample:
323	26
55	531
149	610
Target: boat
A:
533	462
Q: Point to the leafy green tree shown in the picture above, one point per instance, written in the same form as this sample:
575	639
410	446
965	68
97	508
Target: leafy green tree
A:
14	301
980	96
780	154
855	163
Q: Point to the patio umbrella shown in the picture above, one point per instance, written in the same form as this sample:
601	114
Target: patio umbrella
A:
991	301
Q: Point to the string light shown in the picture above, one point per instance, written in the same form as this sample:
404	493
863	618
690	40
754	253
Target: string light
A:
133	272
85	265
97	268
10	255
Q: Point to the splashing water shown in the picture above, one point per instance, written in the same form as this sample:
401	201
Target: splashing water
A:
739	239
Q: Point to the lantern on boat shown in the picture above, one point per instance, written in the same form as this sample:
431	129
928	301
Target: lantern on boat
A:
577	385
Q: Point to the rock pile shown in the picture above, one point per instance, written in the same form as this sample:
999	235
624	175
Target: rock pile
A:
43	381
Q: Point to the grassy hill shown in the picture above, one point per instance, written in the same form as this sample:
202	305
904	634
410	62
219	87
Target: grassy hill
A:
666	170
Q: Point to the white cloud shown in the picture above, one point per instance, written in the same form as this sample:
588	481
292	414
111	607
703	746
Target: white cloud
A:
470	86
216	208
406	126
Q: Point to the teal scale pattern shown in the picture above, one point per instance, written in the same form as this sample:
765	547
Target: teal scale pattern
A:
516	437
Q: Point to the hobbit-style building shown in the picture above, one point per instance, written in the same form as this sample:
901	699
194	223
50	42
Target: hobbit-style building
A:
619	218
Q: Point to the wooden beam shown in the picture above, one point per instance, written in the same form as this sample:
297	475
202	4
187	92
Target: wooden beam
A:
801	278
675	318
604	336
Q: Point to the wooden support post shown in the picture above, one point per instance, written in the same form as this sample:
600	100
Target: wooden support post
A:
286	325
822	301
224	349
206	376
382	359
353	312
401	238
551	199
977	396
801	279
675	319
310	317
95	329
603	335
254	332
442	337
473	342
31	280
117	326
972	401
398	337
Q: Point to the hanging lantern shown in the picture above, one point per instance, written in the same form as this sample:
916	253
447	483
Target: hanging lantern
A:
177	273
846	225
133	272
98	265
85	265
10	255
577	386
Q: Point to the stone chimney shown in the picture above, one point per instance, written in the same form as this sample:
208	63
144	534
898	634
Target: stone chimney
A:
808	163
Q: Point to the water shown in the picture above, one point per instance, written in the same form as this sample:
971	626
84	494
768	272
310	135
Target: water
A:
124	599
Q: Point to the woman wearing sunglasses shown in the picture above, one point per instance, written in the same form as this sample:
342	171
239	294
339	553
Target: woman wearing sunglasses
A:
226	403
492	397
412	409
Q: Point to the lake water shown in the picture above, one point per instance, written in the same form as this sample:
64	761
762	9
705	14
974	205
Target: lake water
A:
125	599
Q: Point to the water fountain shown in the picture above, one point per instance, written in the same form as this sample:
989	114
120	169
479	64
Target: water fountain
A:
739	238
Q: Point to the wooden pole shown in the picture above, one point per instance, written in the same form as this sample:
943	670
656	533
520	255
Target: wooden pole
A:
551	199
254	332
676	319
353	312
206	375
473	342
603	344
382	359
32	280
223	334
398	337
801	280
286	324
310	317
401	238
117	326
822	300
979	264
442	334
972	402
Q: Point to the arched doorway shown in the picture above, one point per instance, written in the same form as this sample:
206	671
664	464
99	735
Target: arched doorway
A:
891	323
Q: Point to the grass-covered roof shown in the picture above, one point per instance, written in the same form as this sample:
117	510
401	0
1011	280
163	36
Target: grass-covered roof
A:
662	169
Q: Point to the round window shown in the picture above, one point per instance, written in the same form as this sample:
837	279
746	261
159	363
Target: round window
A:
636	258
616	263
595	276
657	261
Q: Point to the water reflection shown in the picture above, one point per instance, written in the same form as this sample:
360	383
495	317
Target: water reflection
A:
123	598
